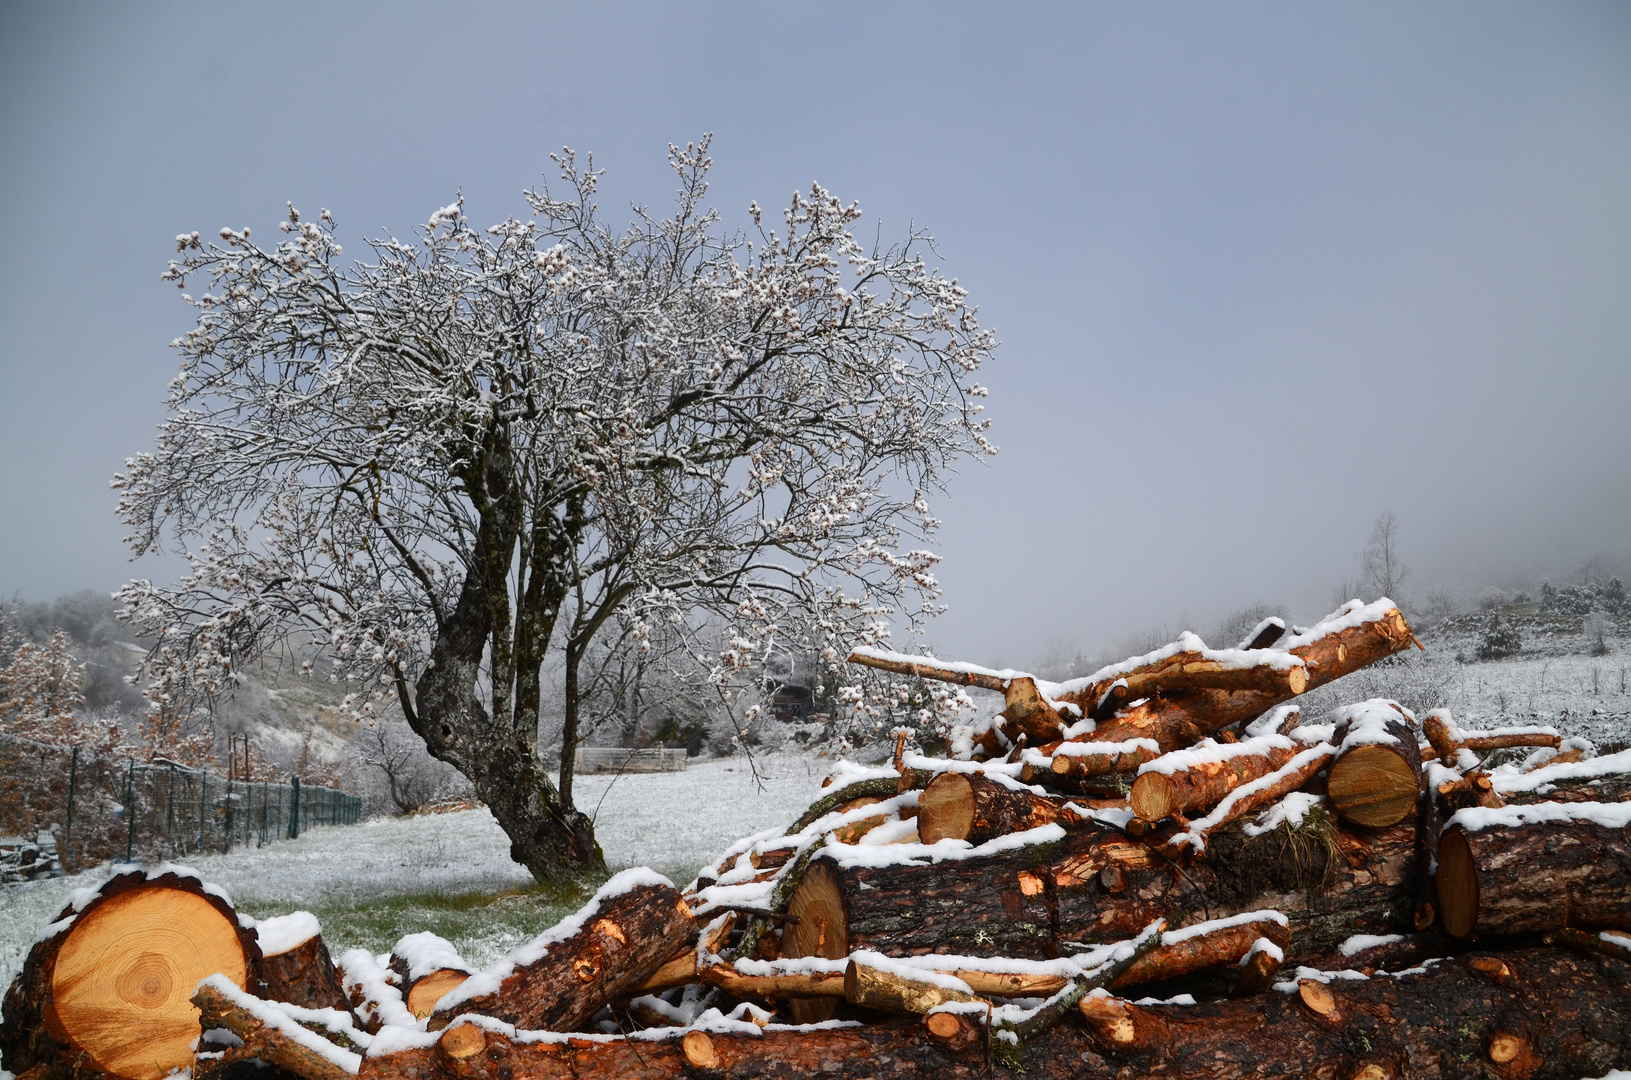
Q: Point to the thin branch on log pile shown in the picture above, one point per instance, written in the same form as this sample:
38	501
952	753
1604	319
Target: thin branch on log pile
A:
1060	1005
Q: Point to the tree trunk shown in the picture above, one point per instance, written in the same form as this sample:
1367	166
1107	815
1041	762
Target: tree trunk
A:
1555	1014
1516	875
623	937
497	751
107	992
976	808
301	972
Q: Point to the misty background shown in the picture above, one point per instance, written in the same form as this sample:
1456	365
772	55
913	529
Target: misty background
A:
1261	273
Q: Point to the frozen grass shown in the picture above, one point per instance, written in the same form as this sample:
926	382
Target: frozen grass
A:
451	873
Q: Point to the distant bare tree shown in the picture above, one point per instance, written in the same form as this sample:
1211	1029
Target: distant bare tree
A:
1384	572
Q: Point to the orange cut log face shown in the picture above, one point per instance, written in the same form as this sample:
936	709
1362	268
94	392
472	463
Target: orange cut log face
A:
124	978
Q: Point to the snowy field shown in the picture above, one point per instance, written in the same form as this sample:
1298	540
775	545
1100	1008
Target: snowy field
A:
371	883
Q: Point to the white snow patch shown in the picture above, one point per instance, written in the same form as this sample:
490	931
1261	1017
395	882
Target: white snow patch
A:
281	933
1358	943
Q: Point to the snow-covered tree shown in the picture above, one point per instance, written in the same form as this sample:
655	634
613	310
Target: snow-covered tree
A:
473	449
40	694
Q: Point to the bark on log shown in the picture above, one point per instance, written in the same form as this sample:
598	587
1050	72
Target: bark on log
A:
1247	798
1191	670
108	993
1224	946
871	987
1522	875
1558	1015
976	808
1377	784
900	1050
1180	717
1097	885
260	1042
623	937
300	972
1157	795
427	967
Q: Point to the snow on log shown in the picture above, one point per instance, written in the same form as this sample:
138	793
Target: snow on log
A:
105	990
873	981
284	1037
295	965
1297	771
1375	779
371	989
1558	1013
721	1048
1446	737
1199	777
1530	869
428	967
561	978
977	808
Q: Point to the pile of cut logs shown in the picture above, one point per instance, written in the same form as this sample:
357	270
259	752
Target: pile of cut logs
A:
1162	869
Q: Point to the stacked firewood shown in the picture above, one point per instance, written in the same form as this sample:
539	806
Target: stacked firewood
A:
1164	868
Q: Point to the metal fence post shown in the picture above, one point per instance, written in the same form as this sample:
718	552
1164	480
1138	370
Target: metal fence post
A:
203	796
170	804
73	777
130	808
294	808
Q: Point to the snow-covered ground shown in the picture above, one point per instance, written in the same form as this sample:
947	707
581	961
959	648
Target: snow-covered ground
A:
451	873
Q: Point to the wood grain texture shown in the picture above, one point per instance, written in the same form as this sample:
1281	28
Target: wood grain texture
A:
109	996
1534	878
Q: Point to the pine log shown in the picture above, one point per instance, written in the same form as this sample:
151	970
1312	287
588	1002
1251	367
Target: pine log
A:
977	808
427	968
1189	669
906	1049
1303	767
295	965
1083	761
1375	779
285	1045
106	990
1557	1014
1179	717
1446	738
1531	869
1097	885
821	928
624	934
1178	788
873	987
1198	948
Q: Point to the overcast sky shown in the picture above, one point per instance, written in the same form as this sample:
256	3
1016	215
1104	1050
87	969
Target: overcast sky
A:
1261	272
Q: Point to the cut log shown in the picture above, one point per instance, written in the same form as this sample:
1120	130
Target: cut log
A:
106	989
1196	668
1198	779
871	986
821	929
270	1036
1084	761
428	967
1224	943
1446	738
1375	779
977	808
1034	901
295	965
898	1050
1567	1012
635	923
1530	869
1248	797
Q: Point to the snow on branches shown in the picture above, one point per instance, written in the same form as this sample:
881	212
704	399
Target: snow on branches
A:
666	423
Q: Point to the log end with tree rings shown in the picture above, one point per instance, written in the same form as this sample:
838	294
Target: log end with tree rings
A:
822	930
426	992
116	985
1373	786
1151	797
462	1041
699	1051
945	809
1457	883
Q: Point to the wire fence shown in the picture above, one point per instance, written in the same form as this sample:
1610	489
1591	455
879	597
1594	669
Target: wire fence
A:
100	806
